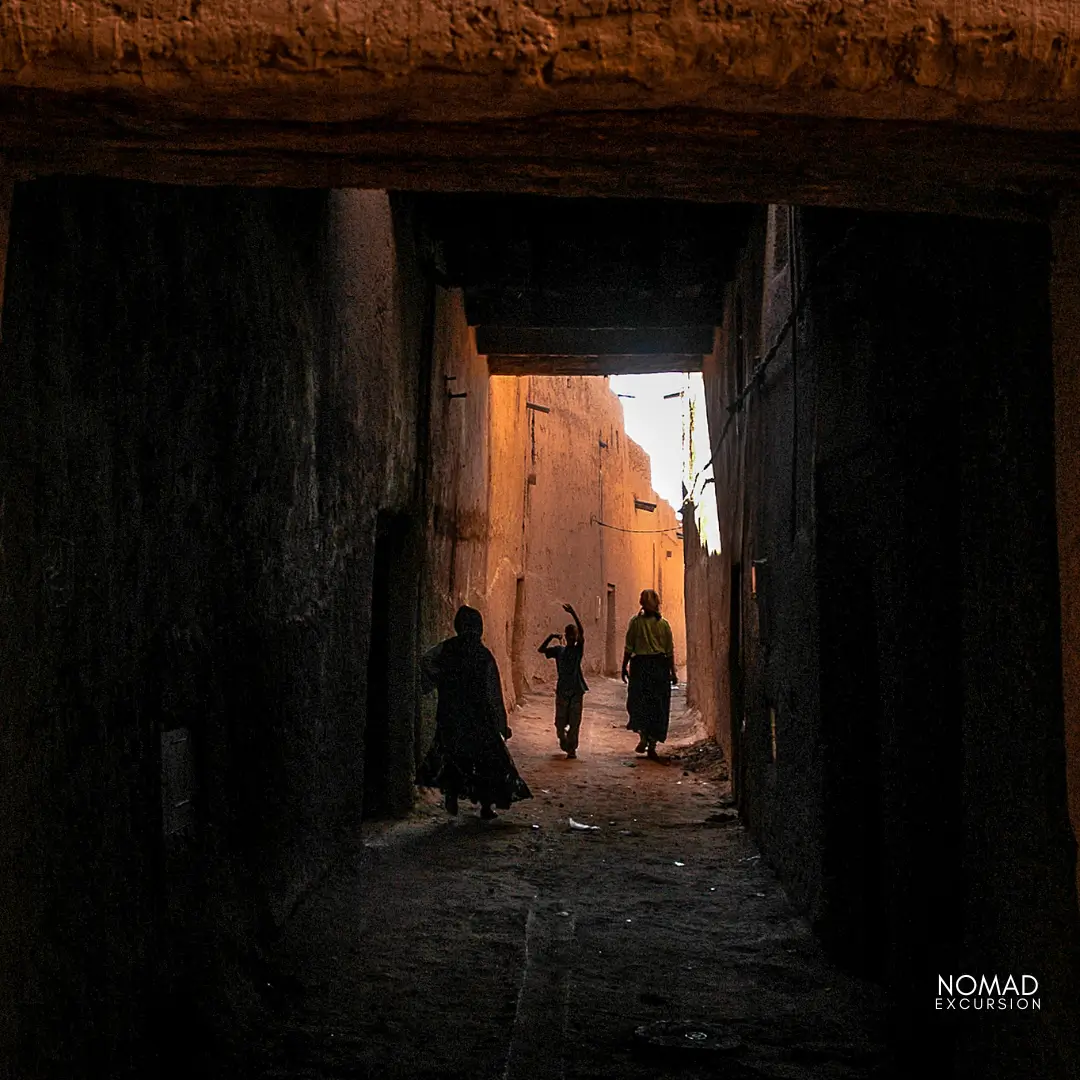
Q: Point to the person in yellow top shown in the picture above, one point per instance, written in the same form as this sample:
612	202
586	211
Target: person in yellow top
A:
649	669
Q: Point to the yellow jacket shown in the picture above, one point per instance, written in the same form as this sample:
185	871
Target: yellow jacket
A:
649	636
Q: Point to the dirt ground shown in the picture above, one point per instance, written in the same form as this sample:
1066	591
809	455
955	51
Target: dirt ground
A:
526	949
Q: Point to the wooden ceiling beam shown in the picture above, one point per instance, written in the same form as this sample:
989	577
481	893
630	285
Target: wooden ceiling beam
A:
592	341
635	364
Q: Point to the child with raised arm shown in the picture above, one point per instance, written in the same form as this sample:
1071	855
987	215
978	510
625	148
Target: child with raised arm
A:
571	687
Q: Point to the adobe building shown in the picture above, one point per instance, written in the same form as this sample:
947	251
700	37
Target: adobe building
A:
889	658
593	531
541	499
263	277
299	490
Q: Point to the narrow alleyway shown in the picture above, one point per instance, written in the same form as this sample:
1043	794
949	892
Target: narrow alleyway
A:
317	326
525	948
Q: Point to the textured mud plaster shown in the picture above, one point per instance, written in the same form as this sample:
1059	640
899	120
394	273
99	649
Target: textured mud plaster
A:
456	500
508	442
459	466
516	492
755	661
897	478
576	467
707	587
999	61
1065	296
209	397
475	485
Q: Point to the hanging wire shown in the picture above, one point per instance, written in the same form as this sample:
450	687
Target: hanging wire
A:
758	374
618	528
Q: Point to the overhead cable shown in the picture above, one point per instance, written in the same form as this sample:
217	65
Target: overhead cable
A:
758	374
619	528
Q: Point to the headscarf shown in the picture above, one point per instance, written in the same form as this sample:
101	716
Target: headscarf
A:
469	623
651	594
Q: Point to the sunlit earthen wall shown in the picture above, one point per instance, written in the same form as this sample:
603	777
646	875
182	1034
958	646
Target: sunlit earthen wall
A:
571	484
928	58
519	481
459	467
707	586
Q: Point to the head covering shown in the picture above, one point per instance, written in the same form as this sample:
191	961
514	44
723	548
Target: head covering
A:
651	594
468	622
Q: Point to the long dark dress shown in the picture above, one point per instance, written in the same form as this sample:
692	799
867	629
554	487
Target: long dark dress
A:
468	757
648	696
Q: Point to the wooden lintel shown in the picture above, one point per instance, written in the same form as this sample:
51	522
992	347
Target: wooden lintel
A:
641	364
583	341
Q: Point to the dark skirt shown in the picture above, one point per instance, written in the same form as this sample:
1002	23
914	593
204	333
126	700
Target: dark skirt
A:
483	772
648	696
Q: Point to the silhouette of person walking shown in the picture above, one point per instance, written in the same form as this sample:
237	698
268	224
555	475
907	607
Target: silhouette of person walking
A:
468	757
649	669
571	686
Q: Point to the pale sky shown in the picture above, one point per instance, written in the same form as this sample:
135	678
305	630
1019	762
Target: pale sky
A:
656	425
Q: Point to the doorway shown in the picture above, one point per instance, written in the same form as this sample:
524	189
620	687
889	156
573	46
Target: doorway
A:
389	714
735	677
517	641
611	660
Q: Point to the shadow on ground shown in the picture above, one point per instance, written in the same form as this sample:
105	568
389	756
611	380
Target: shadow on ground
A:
653	942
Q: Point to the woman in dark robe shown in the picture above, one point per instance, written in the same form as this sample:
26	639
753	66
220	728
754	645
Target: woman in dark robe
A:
469	757
649	668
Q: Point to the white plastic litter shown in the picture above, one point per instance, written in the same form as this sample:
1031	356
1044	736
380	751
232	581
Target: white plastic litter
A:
586	828
677	863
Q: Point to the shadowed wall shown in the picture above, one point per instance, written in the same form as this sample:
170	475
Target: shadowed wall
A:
209	395
899	742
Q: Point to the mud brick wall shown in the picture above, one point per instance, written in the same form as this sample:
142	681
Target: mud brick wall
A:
208	396
892	478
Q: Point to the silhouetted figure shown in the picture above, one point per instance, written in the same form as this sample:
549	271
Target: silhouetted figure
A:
649	666
571	687
468	757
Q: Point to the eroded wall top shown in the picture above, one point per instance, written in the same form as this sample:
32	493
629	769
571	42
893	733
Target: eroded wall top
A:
1011	62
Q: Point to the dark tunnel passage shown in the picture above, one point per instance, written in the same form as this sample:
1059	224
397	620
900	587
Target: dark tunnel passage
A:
260	445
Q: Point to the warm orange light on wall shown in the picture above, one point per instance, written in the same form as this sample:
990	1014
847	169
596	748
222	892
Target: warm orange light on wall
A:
754	564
